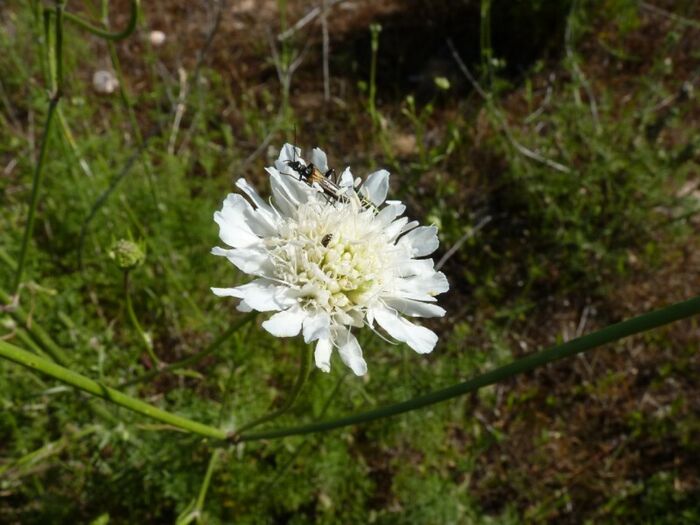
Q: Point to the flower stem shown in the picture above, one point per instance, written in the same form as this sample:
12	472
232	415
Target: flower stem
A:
145	338
485	44
195	358
609	334
128	105
636	325
37	333
107	35
38	168
372	95
304	358
213	460
33	362
281	471
50	449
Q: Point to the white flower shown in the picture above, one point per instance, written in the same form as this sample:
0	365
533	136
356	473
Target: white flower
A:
157	38
329	262
104	82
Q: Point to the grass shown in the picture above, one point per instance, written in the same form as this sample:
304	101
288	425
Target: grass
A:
607	438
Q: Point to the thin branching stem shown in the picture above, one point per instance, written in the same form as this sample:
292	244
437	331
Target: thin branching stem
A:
201	498
39	167
609	334
105	33
143	336
133	122
81	382
48	450
304	358
485	43
193	359
35	331
615	332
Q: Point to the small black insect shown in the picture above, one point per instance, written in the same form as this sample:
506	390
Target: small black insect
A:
326	239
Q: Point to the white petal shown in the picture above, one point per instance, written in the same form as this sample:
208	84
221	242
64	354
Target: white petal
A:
376	187
224	292
394	229
253	195
286	193
351	353
346	179
389	213
430	284
261	222
421	241
263	219
244	307
285	324
233	226
409	267
317	327
319	159
322	354
288	153
297	191
414	308
409	226
248	260
417	337
262	295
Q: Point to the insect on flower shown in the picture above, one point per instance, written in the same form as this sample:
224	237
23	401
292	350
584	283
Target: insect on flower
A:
328	260
327	182
312	175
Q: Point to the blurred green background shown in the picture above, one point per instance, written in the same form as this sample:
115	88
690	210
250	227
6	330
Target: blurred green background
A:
554	143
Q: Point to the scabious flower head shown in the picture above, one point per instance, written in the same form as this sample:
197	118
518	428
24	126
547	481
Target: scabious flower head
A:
328	262
127	254
104	82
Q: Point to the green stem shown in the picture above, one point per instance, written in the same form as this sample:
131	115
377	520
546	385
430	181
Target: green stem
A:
193	511
193	359
609	334
304	359
59	45
145	338
281	471
103	33
485	44
378	131
131	114
33	362
28	342
35	331
9	261
38	169
207	480
36	184
48	450
70	139
372	95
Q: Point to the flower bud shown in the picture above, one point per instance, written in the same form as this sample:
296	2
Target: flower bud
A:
127	254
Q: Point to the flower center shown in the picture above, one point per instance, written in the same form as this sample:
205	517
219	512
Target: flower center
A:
334	255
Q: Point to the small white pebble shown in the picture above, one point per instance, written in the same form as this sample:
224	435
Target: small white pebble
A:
157	38
104	82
